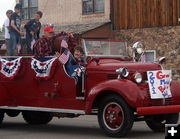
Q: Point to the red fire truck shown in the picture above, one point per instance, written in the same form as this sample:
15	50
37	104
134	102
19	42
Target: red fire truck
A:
118	88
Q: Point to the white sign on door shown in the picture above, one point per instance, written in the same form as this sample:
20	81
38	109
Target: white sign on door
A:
159	84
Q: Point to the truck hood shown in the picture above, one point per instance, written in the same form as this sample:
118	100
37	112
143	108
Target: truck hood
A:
131	66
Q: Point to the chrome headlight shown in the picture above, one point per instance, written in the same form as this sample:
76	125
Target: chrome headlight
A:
138	77
123	72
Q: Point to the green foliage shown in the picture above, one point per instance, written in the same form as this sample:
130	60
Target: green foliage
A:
3	28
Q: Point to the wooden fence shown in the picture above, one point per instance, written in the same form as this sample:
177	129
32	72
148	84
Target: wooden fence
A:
145	13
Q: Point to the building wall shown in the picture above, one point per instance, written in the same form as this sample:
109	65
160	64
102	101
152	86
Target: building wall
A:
69	11
165	40
145	13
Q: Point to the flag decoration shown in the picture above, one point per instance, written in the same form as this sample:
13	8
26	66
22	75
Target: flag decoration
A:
64	57
18	48
43	70
32	43
4	47
9	69
64	43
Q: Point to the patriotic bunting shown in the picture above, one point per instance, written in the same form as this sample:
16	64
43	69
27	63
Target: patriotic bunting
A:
9	69
43	70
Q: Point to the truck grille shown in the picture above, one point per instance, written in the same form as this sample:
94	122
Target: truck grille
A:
112	76
160	102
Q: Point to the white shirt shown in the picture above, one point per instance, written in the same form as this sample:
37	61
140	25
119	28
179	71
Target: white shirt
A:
6	24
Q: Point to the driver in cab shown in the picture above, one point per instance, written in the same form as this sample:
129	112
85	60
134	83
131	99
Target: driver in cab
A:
96	49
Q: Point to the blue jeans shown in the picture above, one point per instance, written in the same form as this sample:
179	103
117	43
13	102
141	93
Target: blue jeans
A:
28	43
15	39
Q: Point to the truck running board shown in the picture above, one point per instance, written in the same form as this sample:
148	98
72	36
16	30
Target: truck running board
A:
24	108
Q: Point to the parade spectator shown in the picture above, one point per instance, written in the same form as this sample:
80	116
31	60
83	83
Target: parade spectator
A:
15	31
32	31
96	49
7	35
75	66
75	62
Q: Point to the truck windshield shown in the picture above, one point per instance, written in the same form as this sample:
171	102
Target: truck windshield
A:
105	48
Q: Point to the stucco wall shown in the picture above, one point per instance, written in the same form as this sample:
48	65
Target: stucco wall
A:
165	40
69	11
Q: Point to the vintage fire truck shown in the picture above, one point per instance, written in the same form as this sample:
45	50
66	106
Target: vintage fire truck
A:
119	89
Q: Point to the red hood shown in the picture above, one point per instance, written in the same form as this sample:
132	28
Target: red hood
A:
113	64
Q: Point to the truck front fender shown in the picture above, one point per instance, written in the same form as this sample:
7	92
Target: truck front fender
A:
129	90
175	90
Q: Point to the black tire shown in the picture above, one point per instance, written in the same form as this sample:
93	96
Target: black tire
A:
115	116
36	118
1	117
12	113
157	122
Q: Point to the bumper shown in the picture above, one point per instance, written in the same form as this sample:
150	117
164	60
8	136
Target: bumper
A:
158	110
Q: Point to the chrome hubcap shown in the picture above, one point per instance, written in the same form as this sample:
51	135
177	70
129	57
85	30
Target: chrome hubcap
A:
113	116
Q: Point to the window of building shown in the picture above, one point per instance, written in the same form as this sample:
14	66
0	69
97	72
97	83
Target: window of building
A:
29	8
93	6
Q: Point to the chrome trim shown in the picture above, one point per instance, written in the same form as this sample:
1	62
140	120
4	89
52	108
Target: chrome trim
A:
83	81
43	109
80	98
68	75
85	50
121	71
135	77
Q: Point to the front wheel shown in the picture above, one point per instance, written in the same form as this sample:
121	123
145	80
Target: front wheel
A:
12	113
1	117
115	116
36	118
157	122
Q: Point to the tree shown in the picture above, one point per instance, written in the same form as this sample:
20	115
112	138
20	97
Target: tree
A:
3	28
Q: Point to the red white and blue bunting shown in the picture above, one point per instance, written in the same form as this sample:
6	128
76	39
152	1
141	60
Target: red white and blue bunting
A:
9	69
44	70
